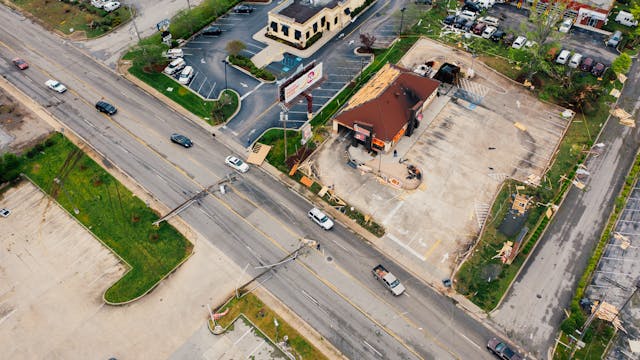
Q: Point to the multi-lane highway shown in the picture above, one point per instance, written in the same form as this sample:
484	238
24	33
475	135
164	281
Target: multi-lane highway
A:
258	222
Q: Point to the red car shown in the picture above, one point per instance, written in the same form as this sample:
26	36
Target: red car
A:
20	63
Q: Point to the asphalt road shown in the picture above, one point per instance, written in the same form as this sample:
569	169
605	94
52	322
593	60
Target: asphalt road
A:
258	222
533	308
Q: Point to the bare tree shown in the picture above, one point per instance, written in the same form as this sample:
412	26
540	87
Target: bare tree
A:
234	47
367	41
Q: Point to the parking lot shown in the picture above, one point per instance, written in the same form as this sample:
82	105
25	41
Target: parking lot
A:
617	274
465	153
588	43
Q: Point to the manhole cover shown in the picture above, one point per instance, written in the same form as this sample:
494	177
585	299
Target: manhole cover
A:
329	259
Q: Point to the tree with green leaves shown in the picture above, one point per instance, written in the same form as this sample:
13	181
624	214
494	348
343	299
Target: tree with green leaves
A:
234	47
621	64
542	33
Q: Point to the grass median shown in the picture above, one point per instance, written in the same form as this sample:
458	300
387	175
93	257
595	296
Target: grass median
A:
115	215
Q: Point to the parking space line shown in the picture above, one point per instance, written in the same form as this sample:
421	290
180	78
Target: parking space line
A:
432	248
241	337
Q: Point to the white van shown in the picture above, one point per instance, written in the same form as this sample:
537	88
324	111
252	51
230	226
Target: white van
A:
111	6
320	218
186	75
488	32
563	57
466	14
626	19
174	53
490	20
174	66
575	61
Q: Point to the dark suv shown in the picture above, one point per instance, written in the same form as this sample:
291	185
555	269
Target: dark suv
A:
212	31
498	35
598	69
244	9
449	20
106	108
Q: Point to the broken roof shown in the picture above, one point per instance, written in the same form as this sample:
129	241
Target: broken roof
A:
385	102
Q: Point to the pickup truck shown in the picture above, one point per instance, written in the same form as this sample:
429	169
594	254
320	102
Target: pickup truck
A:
388	280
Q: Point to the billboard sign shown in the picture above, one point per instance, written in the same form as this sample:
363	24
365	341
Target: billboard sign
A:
302	83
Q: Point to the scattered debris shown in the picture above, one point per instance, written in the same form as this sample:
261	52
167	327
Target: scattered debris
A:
607	312
568	114
625	118
615	93
520	126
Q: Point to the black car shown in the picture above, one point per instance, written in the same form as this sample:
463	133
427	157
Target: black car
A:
423	2
469	25
498	35
449	20
182	140
106	108
508	39
243	9
460	23
598	69
471	6
212	31
502	350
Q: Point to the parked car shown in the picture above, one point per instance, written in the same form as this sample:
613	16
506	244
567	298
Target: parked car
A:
615	38
106	108
181	140
423	2
20	63
55	86
460	23
320	218
498	35
490	20
519	42
5	212
508	39
503	351
186	75
469	25
212	31
479	28
237	164
471	6
98	3
575	60
174	53
111	6
175	66
586	64
565	26
563	57
488	31
598	69
244	9
469	15
449	20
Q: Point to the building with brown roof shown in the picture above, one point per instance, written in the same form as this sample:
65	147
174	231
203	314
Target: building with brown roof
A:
389	106
301	22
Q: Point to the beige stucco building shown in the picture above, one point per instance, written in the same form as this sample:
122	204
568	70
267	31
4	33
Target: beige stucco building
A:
298	21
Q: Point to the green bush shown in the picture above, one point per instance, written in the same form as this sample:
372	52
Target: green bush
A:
246	63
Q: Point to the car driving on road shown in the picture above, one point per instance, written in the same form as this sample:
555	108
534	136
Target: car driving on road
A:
237	164
320	218
20	63
181	140
105	107
502	350
55	85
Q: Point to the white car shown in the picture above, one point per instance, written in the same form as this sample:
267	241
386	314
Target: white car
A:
111	6
186	75
565	26
98	3
320	218
174	53
55	86
519	43
489	31
237	164
175	66
5	212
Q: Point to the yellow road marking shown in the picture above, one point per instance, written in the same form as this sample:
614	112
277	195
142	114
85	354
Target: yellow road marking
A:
432	248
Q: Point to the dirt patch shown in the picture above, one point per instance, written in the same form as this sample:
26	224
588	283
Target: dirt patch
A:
20	128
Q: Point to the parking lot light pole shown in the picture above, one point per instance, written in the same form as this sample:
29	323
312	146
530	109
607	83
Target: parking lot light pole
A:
225	62
401	19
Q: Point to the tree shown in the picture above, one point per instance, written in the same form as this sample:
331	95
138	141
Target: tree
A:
542	32
621	64
149	56
234	47
367	41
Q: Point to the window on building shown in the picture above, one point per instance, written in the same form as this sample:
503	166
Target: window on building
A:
347	11
323	20
315	28
335	21
285	30
297	34
308	35
274	26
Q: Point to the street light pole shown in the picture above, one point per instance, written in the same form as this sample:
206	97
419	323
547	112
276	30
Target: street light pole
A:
401	19
225	62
